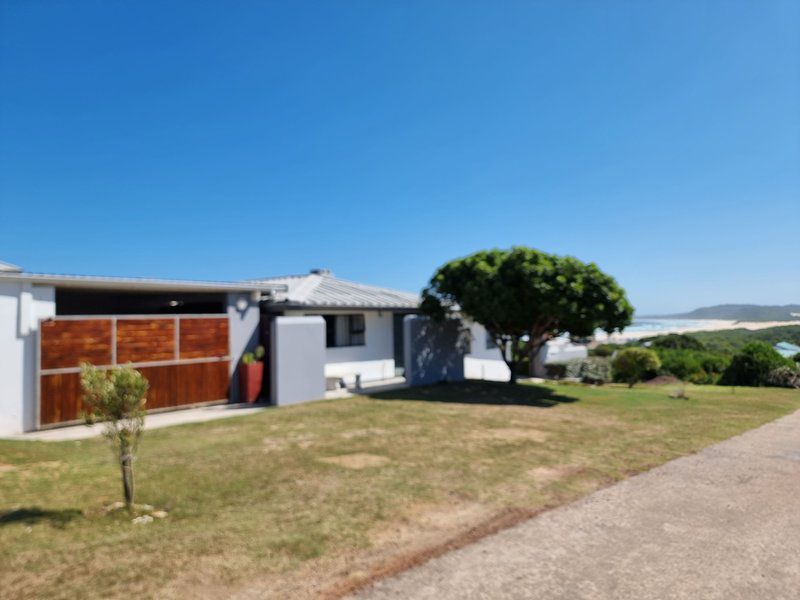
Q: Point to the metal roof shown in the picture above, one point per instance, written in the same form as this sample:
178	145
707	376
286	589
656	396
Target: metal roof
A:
9	268
787	349
321	289
140	283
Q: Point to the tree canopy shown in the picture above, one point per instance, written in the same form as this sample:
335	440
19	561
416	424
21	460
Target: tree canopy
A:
524	297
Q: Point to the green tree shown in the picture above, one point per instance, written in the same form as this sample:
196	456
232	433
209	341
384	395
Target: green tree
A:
524	297
117	397
753	364
677	341
633	364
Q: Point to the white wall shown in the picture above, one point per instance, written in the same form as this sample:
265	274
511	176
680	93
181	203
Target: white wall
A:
21	307
297	356
374	360
482	362
562	350
243	332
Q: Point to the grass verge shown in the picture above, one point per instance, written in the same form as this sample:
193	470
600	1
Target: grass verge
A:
316	499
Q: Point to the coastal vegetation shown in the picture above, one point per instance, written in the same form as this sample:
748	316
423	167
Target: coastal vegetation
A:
303	500
738	357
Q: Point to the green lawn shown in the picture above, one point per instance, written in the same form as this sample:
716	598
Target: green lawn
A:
291	501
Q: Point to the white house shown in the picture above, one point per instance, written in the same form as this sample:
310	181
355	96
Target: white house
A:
185	336
364	323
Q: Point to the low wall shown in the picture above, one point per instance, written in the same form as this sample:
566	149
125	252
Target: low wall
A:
433	352
297	358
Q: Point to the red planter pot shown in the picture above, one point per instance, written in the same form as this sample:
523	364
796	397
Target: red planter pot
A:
250	378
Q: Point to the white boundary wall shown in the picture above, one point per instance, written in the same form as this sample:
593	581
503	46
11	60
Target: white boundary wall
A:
297	357
374	360
482	362
21	307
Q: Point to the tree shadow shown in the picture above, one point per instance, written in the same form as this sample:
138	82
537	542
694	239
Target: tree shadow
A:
479	392
33	515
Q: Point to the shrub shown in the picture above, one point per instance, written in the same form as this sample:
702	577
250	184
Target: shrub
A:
634	364
753	364
604	350
692	365
589	370
117	397
788	377
595	370
555	370
677	341
796	358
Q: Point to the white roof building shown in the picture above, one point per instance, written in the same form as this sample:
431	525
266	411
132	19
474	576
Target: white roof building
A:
321	289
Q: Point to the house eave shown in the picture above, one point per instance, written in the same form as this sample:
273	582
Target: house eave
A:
138	283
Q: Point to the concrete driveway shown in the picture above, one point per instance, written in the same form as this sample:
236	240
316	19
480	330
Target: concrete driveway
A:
723	523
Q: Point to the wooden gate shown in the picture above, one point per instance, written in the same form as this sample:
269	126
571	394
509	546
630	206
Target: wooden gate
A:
185	358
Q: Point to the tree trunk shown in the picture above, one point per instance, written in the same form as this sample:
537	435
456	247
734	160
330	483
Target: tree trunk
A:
125	461
533	356
512	366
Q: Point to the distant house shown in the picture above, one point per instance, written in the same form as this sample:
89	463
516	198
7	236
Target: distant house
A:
786	349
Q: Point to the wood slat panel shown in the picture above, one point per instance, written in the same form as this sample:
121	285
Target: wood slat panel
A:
142	340
61	398
173	385
202	382
68	343
204	338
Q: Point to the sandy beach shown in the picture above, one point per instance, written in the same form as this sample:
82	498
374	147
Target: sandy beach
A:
701	325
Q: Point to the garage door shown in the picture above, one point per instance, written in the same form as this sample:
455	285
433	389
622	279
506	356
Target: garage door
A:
185	358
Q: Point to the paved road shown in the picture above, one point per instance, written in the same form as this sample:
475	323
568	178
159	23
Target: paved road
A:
722	524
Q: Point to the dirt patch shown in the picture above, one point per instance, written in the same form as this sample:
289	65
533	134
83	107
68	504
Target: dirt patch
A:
511	434
544	475
662	380
301	441
359	460
4	468
401	562
359	433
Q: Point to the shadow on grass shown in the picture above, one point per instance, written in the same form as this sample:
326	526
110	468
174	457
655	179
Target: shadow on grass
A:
33	515
480	392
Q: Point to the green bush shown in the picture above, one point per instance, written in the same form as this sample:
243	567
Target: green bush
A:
692	365
596	370
784	377
753	364
796	358
604	350
635	364
677	341
589	370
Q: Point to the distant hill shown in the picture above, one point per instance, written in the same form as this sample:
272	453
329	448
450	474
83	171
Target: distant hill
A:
742	312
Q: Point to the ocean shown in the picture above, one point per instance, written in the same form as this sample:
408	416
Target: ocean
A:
656	326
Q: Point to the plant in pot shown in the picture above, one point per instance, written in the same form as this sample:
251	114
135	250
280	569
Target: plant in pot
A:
251	374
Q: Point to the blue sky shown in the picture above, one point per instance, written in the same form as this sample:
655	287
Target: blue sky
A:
225	140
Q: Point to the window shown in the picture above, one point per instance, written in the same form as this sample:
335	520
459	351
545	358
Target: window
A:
490	341
344	330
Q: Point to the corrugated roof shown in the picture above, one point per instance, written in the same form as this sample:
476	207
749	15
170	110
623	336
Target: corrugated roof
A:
787	349
322	289
9	268
139	283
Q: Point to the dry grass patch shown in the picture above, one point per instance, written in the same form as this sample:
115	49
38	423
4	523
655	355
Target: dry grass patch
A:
510	434
358	460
